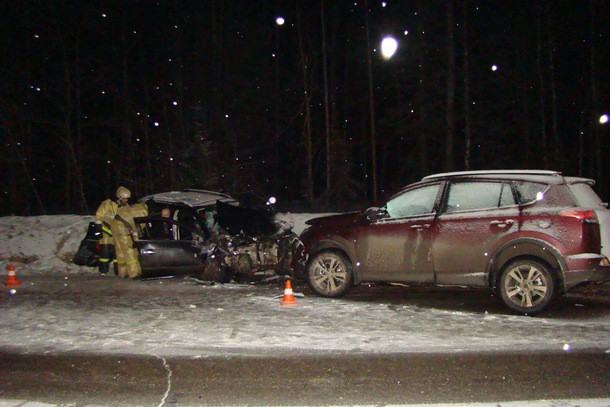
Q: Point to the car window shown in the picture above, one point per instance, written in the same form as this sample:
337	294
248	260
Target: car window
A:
507	198
209	215
466	196
415	202
157	229
585	196
530	191
188	218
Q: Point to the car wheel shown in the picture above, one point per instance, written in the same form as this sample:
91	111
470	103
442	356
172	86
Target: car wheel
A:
526	286
329	274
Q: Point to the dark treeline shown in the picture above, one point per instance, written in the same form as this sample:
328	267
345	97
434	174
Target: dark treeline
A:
166	95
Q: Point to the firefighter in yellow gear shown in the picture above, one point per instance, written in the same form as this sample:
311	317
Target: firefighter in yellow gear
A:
104	216
125	235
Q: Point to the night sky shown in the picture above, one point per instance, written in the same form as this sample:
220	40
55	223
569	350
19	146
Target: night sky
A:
165	95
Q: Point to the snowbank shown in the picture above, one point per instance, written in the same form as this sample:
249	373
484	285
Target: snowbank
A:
42	242
48	243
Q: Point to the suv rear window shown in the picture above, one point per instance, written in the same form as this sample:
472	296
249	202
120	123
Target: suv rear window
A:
585	196
466	196
530	191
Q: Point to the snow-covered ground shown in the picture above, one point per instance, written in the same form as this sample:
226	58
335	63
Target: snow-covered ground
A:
61	307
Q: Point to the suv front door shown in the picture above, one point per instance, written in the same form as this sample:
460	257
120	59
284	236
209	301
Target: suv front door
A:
163	255
398	247
477	218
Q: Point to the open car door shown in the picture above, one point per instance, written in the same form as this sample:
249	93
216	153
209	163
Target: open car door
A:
162	253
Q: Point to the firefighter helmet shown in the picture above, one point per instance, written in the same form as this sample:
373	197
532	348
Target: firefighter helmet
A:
123	193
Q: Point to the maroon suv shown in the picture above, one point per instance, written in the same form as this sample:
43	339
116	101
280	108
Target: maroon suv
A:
530	235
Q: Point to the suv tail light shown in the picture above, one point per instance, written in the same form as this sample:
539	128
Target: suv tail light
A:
587	216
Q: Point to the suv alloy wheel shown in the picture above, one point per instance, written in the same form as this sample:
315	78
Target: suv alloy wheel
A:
526	286
329	274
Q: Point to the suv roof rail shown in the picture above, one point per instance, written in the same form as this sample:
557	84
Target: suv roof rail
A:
492	172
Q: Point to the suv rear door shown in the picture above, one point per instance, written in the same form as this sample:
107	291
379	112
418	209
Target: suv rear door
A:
477	217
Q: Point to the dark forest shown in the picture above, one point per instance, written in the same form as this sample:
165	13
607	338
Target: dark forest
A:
168	95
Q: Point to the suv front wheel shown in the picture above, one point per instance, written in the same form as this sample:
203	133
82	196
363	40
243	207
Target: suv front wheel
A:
526	286
329	274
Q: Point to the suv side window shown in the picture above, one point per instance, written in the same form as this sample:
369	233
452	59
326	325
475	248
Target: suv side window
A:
585	196
466	196
506	197
530	191
419	201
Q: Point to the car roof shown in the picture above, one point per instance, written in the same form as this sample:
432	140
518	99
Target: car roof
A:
196	198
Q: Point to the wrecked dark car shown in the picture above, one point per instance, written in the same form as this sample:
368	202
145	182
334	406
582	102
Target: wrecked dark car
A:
210	236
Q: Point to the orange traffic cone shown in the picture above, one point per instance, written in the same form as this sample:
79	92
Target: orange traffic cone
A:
12	281
288	295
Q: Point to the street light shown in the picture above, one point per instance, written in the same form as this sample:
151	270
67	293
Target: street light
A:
603	119
389	45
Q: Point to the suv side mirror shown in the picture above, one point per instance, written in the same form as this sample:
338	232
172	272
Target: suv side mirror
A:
375	213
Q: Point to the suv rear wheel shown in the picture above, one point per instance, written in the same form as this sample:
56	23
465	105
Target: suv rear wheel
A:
526	286
329	274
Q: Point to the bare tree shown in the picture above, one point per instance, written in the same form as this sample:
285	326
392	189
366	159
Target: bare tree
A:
466	88
556	152
422	136
307	135
595	110
541	89
450	97
72	164
369	63
327	119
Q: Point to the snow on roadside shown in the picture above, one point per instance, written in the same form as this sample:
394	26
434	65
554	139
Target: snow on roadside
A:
44	243
48	243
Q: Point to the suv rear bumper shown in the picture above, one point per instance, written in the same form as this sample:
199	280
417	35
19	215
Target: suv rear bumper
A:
586	268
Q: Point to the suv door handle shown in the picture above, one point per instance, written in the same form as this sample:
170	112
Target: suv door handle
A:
502	223
419	227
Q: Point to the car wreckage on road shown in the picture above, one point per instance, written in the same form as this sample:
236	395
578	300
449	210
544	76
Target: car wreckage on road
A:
210	236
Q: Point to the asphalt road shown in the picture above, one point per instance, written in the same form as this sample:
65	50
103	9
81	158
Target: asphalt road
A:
52	313
303	380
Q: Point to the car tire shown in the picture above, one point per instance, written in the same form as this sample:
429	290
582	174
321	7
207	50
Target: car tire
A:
526	286
329	274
